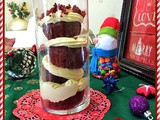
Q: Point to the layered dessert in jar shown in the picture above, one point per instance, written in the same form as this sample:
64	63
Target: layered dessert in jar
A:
63	78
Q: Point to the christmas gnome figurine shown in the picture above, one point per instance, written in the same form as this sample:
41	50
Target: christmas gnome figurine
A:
104	60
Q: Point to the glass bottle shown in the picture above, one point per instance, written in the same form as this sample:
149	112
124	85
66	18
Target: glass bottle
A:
62	45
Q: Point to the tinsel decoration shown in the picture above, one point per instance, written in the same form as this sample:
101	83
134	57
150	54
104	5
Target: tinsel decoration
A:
109	84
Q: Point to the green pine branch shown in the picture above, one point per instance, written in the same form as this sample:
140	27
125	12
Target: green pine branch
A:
20	11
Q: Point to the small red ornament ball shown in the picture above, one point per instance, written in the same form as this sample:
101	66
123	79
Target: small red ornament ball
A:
34	49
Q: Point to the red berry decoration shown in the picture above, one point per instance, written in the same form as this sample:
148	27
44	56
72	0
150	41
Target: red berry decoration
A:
11	11
34	49
146	90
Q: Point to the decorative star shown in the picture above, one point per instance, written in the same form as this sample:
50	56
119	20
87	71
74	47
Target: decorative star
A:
146	90
109	84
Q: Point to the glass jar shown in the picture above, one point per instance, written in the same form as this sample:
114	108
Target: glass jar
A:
62	45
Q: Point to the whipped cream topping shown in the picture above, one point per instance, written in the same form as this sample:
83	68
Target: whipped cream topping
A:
59	92
71	17
56	17
66	41
74	74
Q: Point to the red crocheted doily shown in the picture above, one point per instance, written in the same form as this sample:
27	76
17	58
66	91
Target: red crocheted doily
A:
29	108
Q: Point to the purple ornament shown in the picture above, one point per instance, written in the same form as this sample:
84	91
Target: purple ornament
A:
138	105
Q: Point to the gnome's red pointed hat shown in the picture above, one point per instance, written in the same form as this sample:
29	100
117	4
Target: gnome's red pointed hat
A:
110	26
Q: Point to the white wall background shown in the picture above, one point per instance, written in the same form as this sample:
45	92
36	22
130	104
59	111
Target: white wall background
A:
98	11
101	9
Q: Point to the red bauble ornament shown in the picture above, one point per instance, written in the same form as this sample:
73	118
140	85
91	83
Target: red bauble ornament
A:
34	49
146	90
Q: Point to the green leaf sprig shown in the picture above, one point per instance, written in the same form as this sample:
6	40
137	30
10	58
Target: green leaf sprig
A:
20	11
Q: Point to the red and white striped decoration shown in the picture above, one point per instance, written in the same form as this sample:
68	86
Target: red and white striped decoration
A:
1	60
158	59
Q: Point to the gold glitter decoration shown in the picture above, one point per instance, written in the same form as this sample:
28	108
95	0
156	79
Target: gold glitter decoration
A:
19	81
18	88
30	90
5	112
6	77
6	96
7	86
32	82
15	101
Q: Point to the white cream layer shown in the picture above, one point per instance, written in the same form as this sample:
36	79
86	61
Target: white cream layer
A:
59	92
56	17
55	92
68	42
74	74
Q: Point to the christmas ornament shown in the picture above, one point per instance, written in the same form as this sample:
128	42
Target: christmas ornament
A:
109	84
139	106
104	60
20	63
34	50
146	90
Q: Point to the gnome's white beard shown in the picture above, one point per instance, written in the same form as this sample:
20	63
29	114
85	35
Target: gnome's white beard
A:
106	42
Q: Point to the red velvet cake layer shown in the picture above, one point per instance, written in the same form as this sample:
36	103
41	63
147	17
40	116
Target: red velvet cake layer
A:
61	29
65	57
66	104
48	77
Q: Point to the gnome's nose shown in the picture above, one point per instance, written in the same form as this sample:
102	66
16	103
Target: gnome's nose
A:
95	40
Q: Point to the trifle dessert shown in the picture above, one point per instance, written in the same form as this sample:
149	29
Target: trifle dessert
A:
64	76
62	21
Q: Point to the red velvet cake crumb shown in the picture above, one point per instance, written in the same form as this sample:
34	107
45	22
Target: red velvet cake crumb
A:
63	9
66	104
